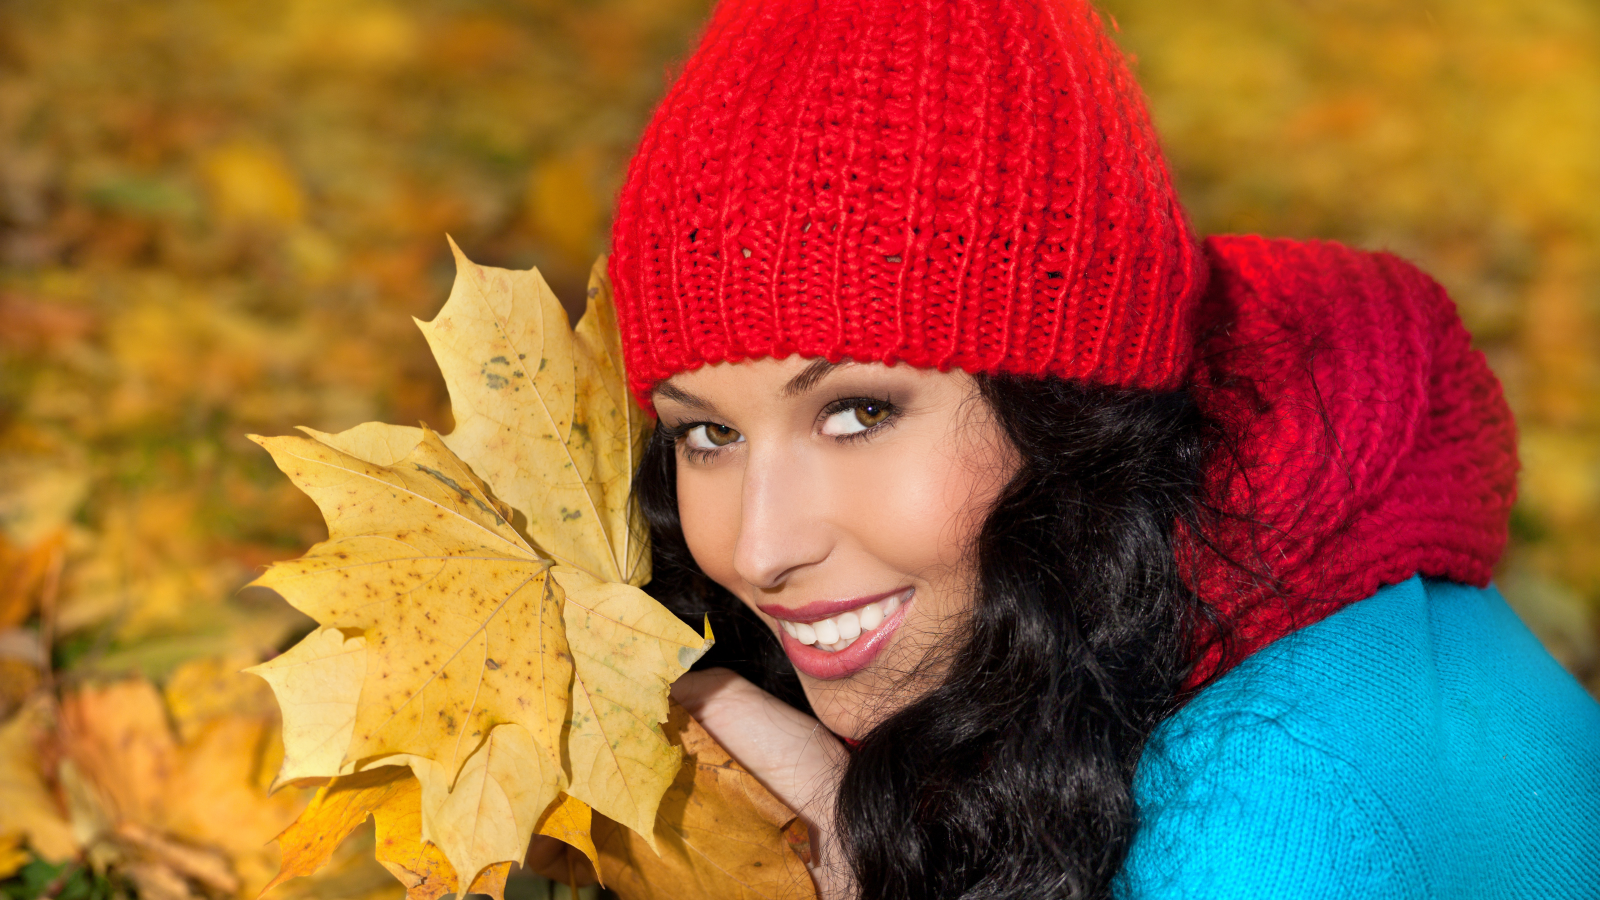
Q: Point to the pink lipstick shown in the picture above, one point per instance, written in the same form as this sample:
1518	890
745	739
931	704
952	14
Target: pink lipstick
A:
835	639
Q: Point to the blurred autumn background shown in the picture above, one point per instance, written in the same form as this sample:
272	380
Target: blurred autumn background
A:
218	217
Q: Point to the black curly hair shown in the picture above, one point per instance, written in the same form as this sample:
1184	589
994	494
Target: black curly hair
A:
1012	776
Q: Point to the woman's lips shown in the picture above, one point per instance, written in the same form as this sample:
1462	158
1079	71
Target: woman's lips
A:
858	652
826	609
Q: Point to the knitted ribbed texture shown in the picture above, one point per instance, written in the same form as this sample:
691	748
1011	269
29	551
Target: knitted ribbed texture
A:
1369	440
974	184
966	184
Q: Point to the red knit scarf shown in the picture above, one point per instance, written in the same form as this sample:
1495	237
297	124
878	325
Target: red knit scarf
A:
1368	440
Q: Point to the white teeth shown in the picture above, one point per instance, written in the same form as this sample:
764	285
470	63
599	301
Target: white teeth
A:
871	617
827	631
849	626
836	633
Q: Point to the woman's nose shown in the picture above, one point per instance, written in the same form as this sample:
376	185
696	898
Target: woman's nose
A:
782	526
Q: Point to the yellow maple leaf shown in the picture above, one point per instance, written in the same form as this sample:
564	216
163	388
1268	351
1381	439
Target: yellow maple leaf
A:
482	621
542	412
627	650
462	624
569	820
318	683
488	814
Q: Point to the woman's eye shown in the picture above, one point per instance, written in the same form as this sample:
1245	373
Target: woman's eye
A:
856	418
711	436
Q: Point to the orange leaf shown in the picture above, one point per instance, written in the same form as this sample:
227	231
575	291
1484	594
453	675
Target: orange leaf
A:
420	866
721	835
194	804
338	808
392	797
23	572
568	820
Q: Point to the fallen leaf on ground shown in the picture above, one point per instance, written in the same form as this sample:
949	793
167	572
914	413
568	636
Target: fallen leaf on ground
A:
31	810
38	497
169	811
13	854
23	665
212	688
23	574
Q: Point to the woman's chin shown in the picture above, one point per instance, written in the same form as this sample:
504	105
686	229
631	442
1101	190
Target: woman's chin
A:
849	689
840	709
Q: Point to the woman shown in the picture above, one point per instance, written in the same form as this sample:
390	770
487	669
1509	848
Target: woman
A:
1051	551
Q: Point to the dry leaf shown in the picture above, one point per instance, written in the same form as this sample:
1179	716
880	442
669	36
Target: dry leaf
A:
118	739
337	809
23	573
608	425
23	664
167	811
569	820
420	866
720	834
31	811
351	874
376	442
13	855
213	688
392	796
317	682
460	619
501	669
488	814
161	865
523	397
217	797
39	496
627	650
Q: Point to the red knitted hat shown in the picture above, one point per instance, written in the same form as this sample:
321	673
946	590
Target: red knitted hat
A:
974	184
967	184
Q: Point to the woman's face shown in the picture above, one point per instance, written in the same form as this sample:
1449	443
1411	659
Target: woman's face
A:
839	502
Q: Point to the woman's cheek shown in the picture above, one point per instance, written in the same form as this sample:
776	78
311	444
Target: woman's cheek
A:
708	512
910	508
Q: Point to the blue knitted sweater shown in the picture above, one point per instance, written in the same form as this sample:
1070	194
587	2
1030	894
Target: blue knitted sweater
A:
1417	744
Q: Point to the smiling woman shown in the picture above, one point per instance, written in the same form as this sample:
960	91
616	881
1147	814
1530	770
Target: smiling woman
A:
1005	531
839	503
1052	551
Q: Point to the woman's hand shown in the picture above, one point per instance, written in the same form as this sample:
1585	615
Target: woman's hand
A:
789	752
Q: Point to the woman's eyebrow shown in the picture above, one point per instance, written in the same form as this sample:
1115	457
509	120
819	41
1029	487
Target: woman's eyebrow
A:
808	377
799	384
669	391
